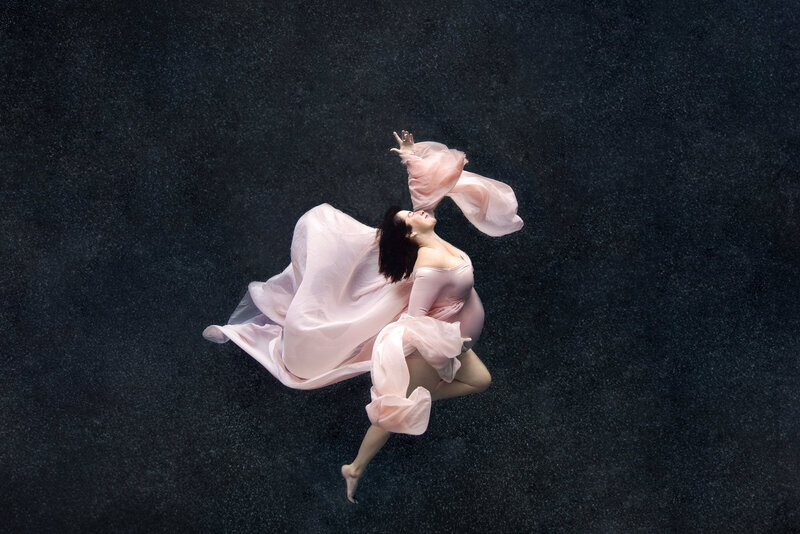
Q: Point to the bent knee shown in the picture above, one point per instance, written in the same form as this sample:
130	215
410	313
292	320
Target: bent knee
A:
484	381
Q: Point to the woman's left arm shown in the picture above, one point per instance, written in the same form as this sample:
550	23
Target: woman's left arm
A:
427	285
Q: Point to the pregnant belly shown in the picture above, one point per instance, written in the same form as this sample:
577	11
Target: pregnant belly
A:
468	312
471	317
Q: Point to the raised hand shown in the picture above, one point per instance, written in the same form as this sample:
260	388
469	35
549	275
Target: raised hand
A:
406	143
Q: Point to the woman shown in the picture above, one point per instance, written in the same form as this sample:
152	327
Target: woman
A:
401	306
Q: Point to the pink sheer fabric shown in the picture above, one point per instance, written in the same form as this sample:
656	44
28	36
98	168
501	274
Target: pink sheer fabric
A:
314	323
330	315
439	342
443	310
435	171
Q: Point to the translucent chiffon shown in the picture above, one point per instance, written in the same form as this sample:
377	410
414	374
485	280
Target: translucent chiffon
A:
438	342
330	315
435	171
314	323
443	311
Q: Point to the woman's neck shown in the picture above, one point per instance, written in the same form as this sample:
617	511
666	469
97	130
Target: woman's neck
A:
429	239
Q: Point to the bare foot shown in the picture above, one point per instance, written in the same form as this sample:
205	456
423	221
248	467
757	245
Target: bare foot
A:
351	477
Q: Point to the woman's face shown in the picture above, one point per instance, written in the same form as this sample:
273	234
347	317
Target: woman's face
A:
419	221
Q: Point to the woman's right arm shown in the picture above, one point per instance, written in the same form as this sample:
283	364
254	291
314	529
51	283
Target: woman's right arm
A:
433	170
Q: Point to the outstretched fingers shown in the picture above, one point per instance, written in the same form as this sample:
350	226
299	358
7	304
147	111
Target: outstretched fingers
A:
406	142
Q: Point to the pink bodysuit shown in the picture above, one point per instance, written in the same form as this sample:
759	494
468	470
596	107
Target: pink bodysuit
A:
330	315
448	295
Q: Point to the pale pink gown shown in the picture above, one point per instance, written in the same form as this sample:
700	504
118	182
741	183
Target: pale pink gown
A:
330	315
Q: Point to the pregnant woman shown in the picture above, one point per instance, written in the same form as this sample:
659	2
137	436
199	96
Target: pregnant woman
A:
398	302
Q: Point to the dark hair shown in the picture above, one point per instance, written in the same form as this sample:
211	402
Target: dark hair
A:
397	252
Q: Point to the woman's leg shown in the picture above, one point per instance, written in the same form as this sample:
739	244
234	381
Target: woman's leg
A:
373	440
472	377
421	374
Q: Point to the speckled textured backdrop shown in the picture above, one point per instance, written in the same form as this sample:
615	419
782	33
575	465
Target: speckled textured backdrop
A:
642	329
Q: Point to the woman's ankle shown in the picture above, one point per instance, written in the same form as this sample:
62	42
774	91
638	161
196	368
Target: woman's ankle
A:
355	469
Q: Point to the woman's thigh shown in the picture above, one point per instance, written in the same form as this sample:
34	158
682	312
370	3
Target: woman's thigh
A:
422	374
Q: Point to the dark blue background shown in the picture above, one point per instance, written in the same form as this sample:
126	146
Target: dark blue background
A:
642	329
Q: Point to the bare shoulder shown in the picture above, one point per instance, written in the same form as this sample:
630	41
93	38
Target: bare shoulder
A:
427	257
430	257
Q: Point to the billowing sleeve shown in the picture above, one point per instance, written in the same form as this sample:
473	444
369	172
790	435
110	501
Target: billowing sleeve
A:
438	342
435	171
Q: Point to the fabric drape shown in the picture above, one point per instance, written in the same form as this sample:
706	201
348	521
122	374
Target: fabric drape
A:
330	315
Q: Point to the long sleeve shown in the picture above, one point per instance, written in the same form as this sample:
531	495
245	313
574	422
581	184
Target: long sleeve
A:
438	342
489	205
427	286
435	171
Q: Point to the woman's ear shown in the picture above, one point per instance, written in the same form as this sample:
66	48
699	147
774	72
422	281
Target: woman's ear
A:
412	234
